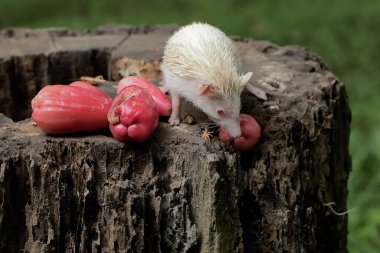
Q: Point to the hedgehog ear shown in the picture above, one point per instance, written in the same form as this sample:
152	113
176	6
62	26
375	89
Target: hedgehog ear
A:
208	90
244	79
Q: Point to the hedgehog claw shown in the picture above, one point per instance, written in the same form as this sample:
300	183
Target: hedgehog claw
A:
174	121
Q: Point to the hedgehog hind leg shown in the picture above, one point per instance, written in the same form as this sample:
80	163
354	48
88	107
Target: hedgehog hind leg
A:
256	91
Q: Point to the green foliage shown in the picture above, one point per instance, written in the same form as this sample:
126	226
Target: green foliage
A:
344	32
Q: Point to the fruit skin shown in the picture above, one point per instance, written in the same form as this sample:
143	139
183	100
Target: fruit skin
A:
163	103
250	134
90	88
133	115
62	109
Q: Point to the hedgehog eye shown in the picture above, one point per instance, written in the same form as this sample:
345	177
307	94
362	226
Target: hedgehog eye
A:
220	112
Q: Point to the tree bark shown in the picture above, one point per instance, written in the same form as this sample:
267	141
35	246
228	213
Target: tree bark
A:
177	192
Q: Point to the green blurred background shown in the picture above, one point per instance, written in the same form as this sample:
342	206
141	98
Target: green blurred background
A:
345	33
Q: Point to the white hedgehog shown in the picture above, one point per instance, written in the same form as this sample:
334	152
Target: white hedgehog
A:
200	64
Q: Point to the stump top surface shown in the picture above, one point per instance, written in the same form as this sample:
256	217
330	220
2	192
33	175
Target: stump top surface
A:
298	83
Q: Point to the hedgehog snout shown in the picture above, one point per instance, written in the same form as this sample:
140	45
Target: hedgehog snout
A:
232	127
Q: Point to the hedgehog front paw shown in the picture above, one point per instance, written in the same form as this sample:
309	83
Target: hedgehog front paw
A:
174	121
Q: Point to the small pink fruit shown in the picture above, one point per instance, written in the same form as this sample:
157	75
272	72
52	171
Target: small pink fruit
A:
133	115
61	109
163	103
250	134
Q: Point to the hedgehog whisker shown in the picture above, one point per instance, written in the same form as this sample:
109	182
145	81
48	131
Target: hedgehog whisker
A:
209	125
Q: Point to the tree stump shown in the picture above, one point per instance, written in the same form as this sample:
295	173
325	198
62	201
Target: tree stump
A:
177	192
